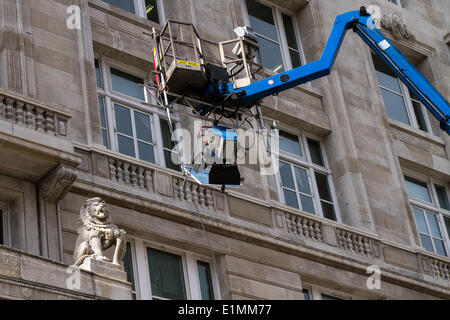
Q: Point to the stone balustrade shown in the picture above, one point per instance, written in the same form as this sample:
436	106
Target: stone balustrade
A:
304	227
353	242
142	177
26	113
440	269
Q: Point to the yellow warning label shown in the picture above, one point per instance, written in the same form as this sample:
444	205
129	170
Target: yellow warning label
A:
188	63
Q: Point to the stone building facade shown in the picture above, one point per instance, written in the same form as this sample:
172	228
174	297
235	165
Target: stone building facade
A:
365	170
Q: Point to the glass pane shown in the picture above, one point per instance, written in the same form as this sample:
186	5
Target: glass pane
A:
290	32
323	187
426	242
101	106
169	163
98	74
395	106
146	152
166	135
166	274
123	120
127	5
447	225
434	225
420	221
306	294
290	198
151	10
417	189
105	138
204	275
127	84
386	77
419	116
128	266
302	180
440	248
442	197
316	152
307	204
328	210
126	146
290	143
143	127
295	58
2	231
261	19
286	175
270	55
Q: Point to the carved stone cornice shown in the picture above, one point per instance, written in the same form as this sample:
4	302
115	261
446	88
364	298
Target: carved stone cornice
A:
395	24
58	182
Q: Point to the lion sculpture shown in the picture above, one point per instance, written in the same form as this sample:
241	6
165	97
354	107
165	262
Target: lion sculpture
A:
97	234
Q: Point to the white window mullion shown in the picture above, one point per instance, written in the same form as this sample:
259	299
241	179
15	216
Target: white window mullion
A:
114	143
193	284
282	38
135	138
142	270
409	105
161	13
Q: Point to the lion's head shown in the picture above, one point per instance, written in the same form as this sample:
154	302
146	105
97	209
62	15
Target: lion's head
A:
95	210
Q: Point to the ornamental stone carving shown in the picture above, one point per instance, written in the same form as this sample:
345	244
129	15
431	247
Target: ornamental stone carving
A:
97	234
58	183
395	24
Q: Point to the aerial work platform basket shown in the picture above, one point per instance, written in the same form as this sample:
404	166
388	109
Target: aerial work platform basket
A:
179	54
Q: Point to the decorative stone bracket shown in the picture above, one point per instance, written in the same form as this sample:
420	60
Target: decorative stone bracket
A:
58	182
396	25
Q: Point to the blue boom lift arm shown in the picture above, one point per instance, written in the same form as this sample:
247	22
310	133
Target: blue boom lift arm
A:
362	23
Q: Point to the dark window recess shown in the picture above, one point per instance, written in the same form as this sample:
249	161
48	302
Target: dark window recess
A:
316	152
204	274
442	196
306	294
98	74
2	231
128	266
151	10
127	5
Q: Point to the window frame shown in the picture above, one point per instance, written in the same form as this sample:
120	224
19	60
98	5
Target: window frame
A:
135	268
189	263
139	10
149	107
396	2
408	101
433	207
315	292
4	208
306	163
281	33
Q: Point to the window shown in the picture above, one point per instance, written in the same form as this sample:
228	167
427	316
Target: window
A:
129	119
401	104
277	36
166	275
305	181
150	9
174	274
128	264
314	292
429	202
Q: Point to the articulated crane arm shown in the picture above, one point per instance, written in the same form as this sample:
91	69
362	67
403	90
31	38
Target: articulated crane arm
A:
361	22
